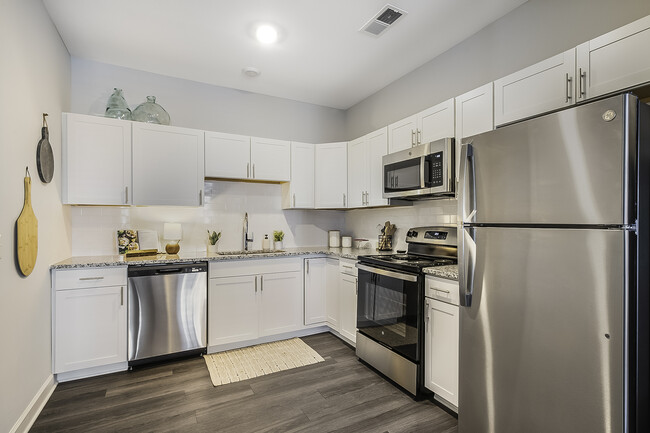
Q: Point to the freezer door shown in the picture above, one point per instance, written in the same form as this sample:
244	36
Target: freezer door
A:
569	167
542	340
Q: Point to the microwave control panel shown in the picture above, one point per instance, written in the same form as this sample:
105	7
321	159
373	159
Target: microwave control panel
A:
435	161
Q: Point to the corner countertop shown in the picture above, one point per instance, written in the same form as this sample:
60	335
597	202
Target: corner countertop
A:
449	272
120	260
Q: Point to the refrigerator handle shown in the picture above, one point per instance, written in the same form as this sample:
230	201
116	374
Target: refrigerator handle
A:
467	201
466	265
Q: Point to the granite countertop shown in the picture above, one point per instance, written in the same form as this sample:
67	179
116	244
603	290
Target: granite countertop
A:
119	260
449	272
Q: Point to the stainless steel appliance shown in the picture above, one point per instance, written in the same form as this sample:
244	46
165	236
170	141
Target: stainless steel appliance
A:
390	303
167	310
425	171
553	261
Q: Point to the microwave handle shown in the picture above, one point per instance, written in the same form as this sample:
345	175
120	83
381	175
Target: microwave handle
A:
423	172
467	201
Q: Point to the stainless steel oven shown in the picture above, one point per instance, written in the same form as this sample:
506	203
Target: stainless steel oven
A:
425	171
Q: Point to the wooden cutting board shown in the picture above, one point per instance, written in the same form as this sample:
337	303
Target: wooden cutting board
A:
27	232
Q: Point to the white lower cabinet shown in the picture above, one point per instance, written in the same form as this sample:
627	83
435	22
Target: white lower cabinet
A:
248	299
441	349
348	299
89	316
315	290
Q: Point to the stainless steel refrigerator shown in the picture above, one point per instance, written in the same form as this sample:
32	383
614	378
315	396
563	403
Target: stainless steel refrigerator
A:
553	261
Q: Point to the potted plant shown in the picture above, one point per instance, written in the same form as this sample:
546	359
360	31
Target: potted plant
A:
213	238
278	235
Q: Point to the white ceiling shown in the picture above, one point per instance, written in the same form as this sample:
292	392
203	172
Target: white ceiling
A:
321	57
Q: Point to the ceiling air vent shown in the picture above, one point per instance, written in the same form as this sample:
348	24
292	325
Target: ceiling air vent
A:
387	16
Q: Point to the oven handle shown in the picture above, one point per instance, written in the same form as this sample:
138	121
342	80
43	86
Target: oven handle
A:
398	275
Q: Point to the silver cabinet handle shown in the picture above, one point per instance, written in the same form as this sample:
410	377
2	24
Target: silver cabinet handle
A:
90	278
253	170
200	197
466	265
426	305
412	138
126	195
419	136
248	169
343	199
255	283
294	199
441	290
261	283
582	76
568	87
122	295
307	264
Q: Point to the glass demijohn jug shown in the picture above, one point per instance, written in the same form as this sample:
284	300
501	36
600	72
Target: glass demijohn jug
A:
117	107
150	112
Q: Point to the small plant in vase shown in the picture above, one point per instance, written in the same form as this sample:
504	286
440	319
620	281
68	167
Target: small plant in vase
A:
213	238
278	236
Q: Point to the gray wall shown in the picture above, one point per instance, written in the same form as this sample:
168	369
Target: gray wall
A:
202	106
534	31
35	71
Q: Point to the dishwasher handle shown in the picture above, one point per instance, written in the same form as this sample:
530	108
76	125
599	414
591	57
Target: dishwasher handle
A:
167	269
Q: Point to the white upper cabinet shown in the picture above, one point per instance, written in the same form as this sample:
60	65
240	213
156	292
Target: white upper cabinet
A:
402	134
299	192
167	165
429	125
544	86
614	61
365	169
331	175
231	156
474	115
436	122
227	155
96	160
270	159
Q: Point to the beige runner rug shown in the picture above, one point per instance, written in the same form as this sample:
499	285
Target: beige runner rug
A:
249	362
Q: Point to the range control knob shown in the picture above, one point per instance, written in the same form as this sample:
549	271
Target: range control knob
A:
414	234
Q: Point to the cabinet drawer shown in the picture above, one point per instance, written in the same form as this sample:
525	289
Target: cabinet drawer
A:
441	289
348	267
63	279
234	268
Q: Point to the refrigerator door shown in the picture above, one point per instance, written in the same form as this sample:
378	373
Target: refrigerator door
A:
541	344
566	168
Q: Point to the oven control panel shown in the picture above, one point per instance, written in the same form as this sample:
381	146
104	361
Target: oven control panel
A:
432	235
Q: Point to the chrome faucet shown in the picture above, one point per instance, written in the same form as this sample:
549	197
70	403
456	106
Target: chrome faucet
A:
246	238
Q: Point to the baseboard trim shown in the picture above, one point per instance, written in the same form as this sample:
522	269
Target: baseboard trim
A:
267	339
35	407
92	371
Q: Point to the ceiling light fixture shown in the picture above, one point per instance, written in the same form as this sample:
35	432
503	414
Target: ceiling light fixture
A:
266	34
250	71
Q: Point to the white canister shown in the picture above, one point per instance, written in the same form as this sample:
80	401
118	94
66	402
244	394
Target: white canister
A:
334	238
346	241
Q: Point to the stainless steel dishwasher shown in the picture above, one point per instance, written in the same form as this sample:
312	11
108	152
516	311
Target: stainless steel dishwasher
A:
167	311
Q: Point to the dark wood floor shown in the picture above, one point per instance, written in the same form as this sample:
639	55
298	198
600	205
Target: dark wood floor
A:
340	394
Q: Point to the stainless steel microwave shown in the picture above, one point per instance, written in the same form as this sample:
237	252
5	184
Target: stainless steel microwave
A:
425	171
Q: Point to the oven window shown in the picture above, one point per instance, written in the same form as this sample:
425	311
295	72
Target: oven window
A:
387	312
402	176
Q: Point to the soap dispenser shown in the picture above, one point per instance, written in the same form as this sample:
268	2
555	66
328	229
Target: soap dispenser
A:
266	243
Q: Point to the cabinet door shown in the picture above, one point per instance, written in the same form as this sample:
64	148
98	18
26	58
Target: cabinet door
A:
614	61
332	293
300	192
227	156
315	291
96	160
280	302
474	115
441	349
232	309
357	172
436	122
270	159
377	148
331	175
89	328
167	165
545	86
402	134
348	307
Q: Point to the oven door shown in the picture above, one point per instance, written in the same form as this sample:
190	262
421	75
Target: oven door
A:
389	309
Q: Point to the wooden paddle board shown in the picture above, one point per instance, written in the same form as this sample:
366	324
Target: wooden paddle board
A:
27	232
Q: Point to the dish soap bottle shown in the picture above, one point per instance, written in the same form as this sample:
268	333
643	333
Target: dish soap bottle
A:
266	243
